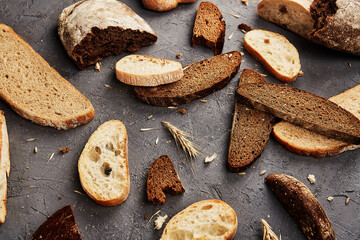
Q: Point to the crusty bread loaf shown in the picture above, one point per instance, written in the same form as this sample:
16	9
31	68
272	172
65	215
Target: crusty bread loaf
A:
4	166
35	90
146	71
308	143
103	165
200	79
209	28
250	130
278	56
209	219
302	108
163	5
93	29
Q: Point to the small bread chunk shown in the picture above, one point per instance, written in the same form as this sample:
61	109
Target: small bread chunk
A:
250	130
303	109
209	219
200	79
308	143
146	71
278	56
35	90
103	165
209	28
302	206
162	177
4	166
60	225
163	5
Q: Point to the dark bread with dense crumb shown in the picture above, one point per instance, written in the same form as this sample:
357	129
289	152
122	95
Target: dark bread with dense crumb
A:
251	129
209	28
60	225
162	178
302	108
200	79
302	206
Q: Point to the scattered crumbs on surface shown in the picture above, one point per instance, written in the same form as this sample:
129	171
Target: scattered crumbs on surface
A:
51	156
132	114
211	158
146	217
149	117
31	139
157	140
233	14
330	199
241	173
64	149
262	172
98	66
76	191
349	63
203	100
301	73
268	216
245	2
183	111
108	86
347	200
27	167
243	30
31	187
242	53
253	167
169	141
35	150
172	107
60	198
232	34
245	27
152	217
178	56
311	178
160	221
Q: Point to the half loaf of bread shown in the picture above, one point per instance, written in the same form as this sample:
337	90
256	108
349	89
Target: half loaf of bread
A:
4	166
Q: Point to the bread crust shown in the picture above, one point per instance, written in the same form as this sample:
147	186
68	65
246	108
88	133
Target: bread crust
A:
163	5
4	166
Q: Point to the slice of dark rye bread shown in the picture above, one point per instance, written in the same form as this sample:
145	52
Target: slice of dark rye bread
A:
200	79
302	108
251	129
162	177
60	225
209	29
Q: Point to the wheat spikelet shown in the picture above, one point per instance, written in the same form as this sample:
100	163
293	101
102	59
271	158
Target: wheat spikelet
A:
268	232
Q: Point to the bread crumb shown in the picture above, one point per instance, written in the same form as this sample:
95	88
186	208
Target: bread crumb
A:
210	159
268	216
64	149
203	100
245	1
31	187
349	63
301	73
243	30
311	178
183	111
330	199
262	172
178	56
245	27
27	167
98	66
146	217
59	198
35	150
241	173
242	53
160	221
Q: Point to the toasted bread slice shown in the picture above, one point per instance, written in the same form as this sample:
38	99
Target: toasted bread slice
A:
4	166
35	90
278	56
308	143
103	164
146	71
302	108
163	5
200	79
209	219
250	130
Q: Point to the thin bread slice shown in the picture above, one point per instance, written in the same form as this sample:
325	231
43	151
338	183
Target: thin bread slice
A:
302	108
200	79
162	177
250	130
146	71
103	164
308	143
209	28
278	56
35	90
4	166
209	219
163	5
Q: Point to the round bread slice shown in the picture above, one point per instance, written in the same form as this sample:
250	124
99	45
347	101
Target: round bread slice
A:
138	70
209	219
278	56
103	165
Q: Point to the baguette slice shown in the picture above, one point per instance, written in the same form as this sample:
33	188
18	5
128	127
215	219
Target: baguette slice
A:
200	79
302	206
103	165
163	5
250	130
35	90
302	108
146	71
278	56
4	165
60	225
209	219
305	142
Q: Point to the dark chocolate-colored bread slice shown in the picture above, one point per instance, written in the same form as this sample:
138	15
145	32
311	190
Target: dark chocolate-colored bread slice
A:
162	178
60	225
302	206
209	29
302	108
200	79
251	129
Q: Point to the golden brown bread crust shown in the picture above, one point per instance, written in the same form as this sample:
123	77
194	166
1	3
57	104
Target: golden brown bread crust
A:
163	5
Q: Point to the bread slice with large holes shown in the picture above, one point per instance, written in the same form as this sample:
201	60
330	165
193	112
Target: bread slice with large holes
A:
278	56
4	166
103	165
209	219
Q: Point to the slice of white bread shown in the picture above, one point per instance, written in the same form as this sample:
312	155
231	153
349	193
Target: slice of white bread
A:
4	166
138	70
308	143
278	56
103	165
209	219
35	90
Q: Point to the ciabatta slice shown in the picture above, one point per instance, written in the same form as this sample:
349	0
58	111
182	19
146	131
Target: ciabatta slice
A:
278	56
209	219
103	165
146	71
4	166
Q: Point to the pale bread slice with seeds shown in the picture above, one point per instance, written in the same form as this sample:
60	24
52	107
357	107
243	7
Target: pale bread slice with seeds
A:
4	166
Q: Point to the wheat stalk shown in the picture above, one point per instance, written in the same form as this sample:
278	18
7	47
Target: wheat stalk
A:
268	232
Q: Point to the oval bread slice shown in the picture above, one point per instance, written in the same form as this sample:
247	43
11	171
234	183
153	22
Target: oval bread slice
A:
146	71
103	165
209	219
278	56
